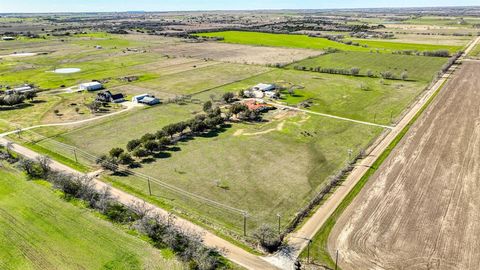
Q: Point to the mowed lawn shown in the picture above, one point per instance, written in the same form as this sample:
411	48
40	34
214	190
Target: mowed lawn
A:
419	68
306	42
41	231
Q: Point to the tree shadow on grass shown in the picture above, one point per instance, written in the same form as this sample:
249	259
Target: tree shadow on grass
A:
161	155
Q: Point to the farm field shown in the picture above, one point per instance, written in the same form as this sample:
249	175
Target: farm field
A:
41	231
337	94
418	68
303	41
391	223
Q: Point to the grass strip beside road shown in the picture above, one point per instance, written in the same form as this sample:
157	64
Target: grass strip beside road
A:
320	241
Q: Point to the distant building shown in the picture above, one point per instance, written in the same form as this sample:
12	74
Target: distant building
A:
264	87
98	47
255	105
146	99
107	96
91	86
23	89
8	38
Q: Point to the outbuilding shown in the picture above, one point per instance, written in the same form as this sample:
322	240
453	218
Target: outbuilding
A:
264	87
8	38
146	99
23	89
91	86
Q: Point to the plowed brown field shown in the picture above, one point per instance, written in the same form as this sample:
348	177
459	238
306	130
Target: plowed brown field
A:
421	210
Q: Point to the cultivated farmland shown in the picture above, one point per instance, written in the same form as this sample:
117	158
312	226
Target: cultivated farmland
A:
41	231
419	209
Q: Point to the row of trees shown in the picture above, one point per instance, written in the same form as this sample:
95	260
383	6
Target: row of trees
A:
188	246
150	144
354	71
437	53
15	99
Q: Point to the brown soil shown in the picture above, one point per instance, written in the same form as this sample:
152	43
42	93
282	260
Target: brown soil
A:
420	209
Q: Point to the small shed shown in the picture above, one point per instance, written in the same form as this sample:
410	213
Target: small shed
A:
146	99
264	87
91	86
23	89
150	100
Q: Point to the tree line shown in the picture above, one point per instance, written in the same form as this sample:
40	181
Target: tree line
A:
150	144
354	71
16	99
188	246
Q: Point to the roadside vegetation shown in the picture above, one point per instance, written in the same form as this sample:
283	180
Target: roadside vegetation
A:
163	233
41	230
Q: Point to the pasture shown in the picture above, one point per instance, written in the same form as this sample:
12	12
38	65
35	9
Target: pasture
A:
418	68
303	41
41	231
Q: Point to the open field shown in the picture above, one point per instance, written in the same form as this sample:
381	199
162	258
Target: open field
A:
41	231
418	68
396	226
236	53
337	94
221	166
302	41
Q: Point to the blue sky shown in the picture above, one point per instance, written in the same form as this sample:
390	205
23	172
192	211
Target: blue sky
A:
169	5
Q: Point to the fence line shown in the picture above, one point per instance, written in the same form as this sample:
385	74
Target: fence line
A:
93	159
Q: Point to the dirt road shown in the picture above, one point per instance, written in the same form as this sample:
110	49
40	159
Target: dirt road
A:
421	208
232	252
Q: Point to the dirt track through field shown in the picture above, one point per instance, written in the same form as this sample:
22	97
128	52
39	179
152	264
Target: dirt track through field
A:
421	208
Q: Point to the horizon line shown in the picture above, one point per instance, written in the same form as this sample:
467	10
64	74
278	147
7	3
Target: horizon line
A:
217	10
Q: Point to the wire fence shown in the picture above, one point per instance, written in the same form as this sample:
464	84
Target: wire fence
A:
225	218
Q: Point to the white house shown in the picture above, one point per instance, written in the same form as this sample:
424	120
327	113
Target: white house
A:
264	87
8	38
91	86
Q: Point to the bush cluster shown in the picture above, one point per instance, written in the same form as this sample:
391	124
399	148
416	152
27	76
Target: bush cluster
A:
188	246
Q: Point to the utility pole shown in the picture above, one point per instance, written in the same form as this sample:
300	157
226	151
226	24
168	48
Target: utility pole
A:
245	223
336	260
308	251
149	187
375	118
75	155
279	224
350	153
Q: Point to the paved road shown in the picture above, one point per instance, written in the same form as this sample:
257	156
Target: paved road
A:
299	239
232	252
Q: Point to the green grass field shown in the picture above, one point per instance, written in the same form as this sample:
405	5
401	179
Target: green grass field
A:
337	94
258	171
475	52
41	231
418	68
444	21
302	41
